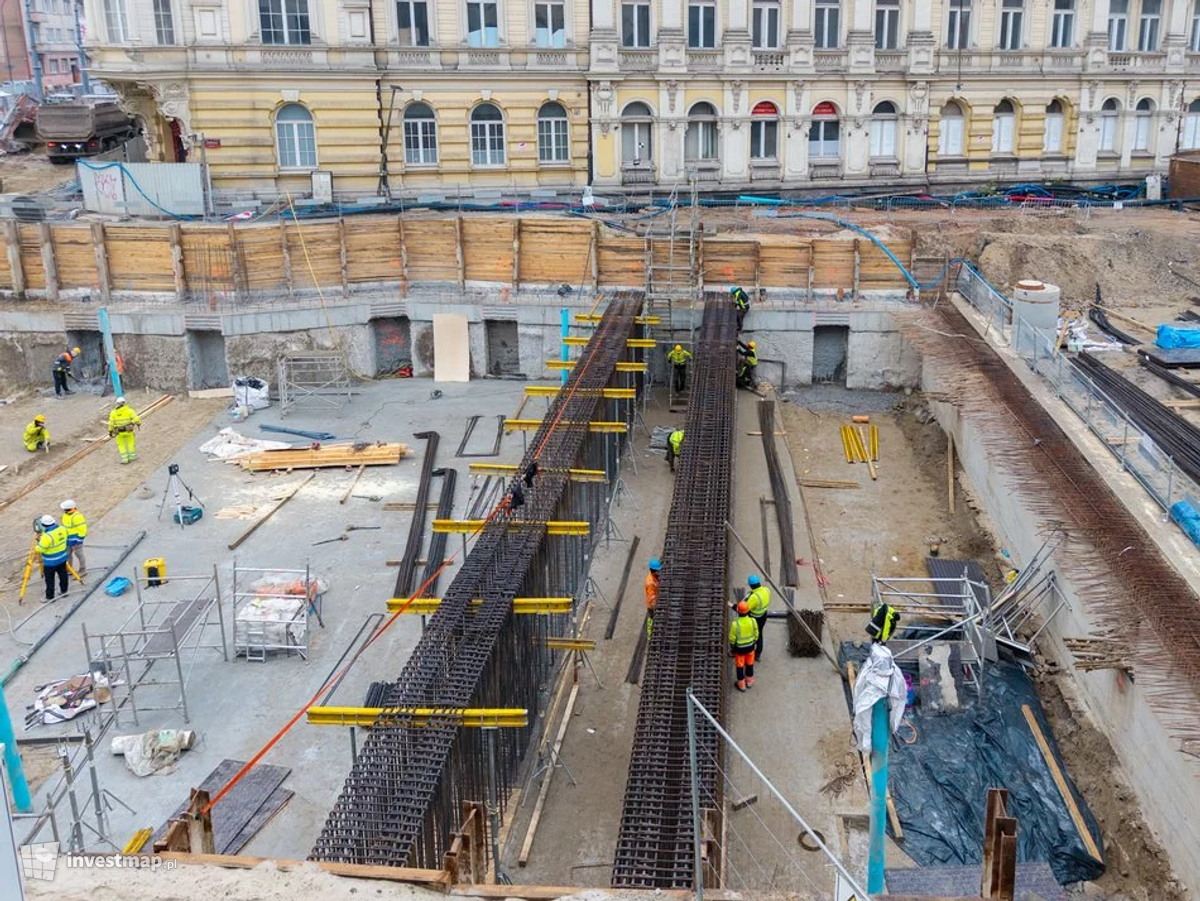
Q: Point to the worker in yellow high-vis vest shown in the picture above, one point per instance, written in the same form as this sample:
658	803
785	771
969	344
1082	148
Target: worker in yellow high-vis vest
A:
674	447
758	600
52	545
76	525
743	636
121	423
679	359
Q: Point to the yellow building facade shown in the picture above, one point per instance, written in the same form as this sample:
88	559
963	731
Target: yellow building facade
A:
420	95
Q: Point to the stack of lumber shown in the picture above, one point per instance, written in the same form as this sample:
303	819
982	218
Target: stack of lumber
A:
324	456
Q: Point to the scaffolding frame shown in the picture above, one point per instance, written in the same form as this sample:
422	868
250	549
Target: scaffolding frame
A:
321	375
151	633
252	637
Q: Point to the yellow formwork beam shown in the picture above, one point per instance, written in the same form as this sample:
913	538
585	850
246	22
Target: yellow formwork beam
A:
596	317
532	425
478	717
524	606
571	644
607	393
575	475
622	366
581	340
467	526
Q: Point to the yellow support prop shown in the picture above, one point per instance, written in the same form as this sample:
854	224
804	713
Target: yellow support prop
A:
640	320
575	475
580	340
532	425
623	366
138	841
467	526
477	717
608	393
524	606
571	644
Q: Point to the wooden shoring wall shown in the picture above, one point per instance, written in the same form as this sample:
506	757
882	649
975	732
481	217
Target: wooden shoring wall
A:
235	260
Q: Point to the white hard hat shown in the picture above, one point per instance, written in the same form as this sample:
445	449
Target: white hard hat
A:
120	400
68	504
48	520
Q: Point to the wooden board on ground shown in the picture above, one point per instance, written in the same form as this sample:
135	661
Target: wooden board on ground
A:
239	807
340	455
451	348
227	391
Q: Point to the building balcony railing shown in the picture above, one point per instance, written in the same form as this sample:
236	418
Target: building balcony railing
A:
891	60
975	61
639	60
637	174
829	60
1139	62
770	61
705	60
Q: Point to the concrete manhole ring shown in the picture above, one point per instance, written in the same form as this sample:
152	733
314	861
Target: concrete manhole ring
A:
806	840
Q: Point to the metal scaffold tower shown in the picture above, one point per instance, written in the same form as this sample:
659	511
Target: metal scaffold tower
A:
673	269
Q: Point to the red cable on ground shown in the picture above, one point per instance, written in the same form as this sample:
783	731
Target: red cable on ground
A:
287	727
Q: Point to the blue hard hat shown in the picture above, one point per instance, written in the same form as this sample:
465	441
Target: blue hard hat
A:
754	581
655	564
733	290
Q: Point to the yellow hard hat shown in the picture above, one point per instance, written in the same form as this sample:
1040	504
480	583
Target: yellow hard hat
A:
76	351
678	348
752	345
39	418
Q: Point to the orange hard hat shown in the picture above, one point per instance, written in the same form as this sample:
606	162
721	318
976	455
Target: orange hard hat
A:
743	607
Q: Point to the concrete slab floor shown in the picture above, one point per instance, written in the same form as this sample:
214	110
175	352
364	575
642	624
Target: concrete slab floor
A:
237	706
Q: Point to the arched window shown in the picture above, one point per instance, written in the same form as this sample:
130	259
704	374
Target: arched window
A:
554	144
883	130
487	135
1004	120
296	137
1143	125
824	136
1191	127
700	141
420	135
764	131
1052	140
950	130
1110	114
637	140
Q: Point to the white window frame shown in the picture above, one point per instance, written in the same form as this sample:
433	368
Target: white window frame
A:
817	137
887	24
420	139
884	131
958	25
702	33
164	21
1191	127
765	19
1052	137
486	35
409	37
1194	46
550	37
1110	121
1004	128
116	21
1150	26
1012	20
1062	24
764	131
297	129
295	33
489	147
554	136
707	136
643	18
951	131
1118	26
1143	128
827	24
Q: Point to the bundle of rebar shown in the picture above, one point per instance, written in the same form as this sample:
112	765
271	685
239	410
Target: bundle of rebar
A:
404	795
800	640
1168	376
687	647
779	491
1173	434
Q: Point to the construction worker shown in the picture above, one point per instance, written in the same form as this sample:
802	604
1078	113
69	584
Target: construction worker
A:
882	624
62	370
758	600
76	525
119	363
679	358
652	578
36	436
747	365
52	545
743	636
674	446
741	303
121	423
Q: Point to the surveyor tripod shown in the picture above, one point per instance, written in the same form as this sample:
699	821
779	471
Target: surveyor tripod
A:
33	555
174	482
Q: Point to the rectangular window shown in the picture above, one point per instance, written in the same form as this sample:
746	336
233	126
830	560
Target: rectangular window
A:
1062	26
765	26
1195	45
635	24
1141	133
553	145
297	145
1052	141
1149	25
164	23
827	31
412	17
1108	133
114	21
764	139
700	141
958	27
284	21
550	23
1002	133
1011	15
53	67
950	136
1191	132
420	142
887	24
483	23
1118	22
823	139
702	26
487	143
883	139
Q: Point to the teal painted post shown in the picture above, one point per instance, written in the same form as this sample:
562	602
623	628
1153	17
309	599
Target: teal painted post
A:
880	737
12	760
110	353
566	331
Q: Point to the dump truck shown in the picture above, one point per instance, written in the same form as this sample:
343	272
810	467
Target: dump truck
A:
72	130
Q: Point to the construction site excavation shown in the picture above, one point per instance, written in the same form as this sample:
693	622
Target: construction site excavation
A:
713	551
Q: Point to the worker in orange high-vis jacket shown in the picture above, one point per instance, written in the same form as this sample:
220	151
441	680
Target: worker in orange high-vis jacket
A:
652	578
743	636
62	370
